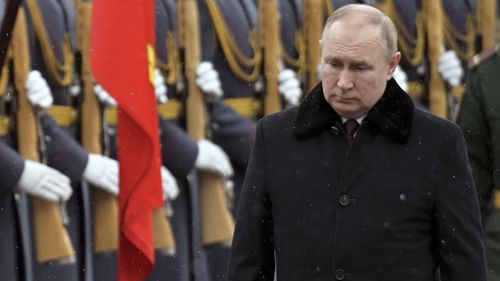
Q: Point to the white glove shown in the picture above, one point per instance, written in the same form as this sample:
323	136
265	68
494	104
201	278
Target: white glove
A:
450	68
212	158
289	86
102	172
38	90
169	184
160	88
401	78
207	78
44	182
258	86
104	96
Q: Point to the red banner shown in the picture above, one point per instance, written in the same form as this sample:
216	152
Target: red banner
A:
123	63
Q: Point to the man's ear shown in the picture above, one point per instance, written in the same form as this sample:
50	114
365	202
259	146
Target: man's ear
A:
393	63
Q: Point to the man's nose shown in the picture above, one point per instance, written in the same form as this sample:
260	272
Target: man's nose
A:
345	80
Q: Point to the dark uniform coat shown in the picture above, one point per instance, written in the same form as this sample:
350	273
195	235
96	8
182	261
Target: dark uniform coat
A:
62	150
479	118
394	206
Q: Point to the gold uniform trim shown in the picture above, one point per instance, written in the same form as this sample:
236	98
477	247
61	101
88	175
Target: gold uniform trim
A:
4	125
497	199
61	72
247	107
111	116
415	89
63	115
170	110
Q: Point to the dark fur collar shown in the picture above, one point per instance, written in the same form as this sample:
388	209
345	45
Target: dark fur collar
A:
391	116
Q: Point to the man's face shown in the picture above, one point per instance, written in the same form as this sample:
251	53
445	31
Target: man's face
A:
354	67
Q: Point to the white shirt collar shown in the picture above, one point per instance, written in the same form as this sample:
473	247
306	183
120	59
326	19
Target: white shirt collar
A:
359	119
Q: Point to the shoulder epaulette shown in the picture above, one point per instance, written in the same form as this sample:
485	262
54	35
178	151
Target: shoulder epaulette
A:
484	55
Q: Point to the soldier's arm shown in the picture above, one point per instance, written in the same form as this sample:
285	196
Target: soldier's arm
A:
179	150
11	165
63	152
233	132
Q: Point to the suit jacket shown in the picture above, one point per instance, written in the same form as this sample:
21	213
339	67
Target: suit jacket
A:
395	205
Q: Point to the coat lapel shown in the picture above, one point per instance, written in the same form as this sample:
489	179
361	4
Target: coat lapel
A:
391	116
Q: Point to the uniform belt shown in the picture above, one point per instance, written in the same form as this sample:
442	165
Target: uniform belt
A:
111	116
63	115
496	201
458	92
4	125
246	107
415	89
170	110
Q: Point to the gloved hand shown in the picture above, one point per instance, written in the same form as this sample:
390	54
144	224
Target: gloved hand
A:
258	86
212	158
160	88
38	90
102	172
169	185
207	78
450	68
401	78
44	182
289	86
104	96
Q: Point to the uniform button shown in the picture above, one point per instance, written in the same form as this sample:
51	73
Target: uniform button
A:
339	274
344	200
335	130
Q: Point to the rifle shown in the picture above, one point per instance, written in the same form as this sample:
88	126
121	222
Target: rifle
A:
486	17
270	32
105	209
217	222
51	238
7	26
438	101
313	25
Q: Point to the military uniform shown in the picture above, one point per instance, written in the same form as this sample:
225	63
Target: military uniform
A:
57	20
233	120
479	118
407	18
11	165
179	150
461	34
292	36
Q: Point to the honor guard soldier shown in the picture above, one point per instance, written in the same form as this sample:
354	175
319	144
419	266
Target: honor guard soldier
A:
464	22
479	118
21	173
241	38
426	66
181	153
53	45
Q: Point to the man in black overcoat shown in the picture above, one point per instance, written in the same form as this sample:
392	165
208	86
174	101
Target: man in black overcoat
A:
355	183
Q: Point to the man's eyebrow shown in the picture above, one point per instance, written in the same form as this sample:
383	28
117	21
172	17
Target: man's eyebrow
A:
359	61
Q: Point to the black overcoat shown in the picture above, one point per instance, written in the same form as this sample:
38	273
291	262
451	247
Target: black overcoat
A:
394	206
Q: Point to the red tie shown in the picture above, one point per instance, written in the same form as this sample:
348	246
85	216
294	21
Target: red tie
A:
350	126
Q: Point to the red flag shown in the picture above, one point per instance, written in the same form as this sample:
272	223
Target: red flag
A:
123	62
